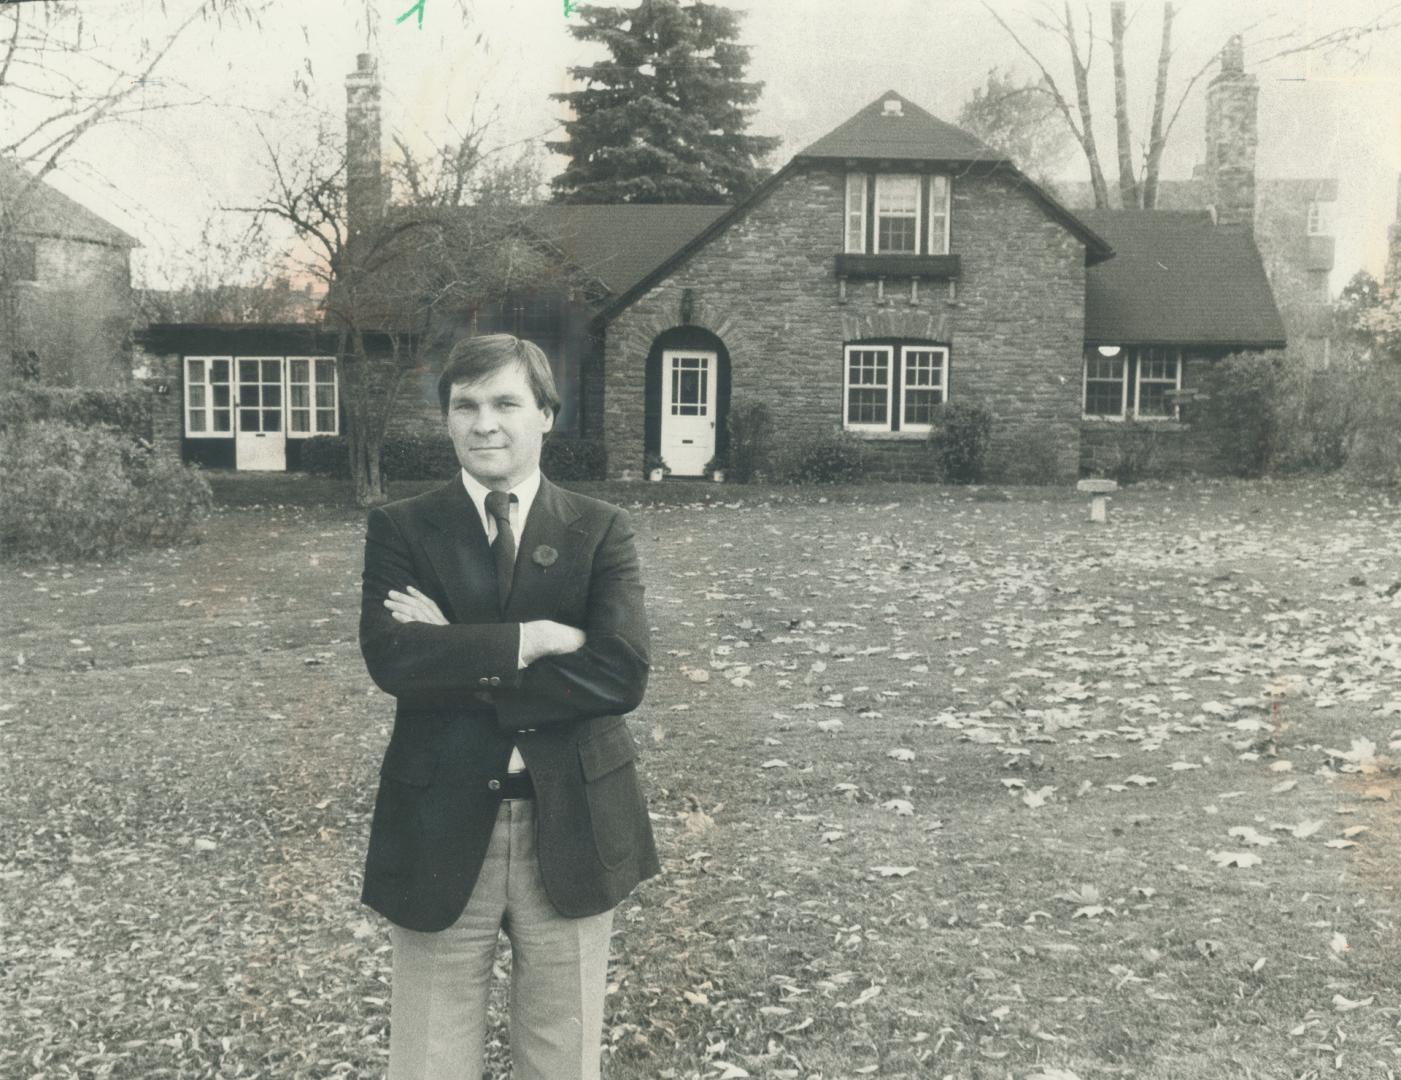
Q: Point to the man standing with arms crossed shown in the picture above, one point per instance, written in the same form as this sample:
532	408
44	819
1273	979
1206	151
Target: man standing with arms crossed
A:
505	615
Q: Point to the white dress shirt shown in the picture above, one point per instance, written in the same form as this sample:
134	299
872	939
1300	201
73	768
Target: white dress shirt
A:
524	493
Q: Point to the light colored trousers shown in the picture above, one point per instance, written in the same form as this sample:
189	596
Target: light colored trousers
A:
559	972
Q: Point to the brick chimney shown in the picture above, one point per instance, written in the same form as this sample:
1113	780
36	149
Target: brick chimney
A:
364	195
1231	139
1393	245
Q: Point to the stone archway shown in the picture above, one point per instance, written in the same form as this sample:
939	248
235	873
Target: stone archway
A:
679	379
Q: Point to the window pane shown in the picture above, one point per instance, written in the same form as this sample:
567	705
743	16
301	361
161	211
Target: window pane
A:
1153	399
248	371
221	419
221	395
326	397
272	419
196	419
855	212
248	420
866	406
196	371
272	395
326	371
299	371
196	397
919	405
897	234
897	195
272	371
219	371
300	420
325	420
301	396
248	394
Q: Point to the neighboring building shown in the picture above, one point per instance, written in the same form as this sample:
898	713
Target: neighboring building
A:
894	264
1292	219
65	288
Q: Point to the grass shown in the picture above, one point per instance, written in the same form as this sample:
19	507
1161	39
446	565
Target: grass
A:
859	698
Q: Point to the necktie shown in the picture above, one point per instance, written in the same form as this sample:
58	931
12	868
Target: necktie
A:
503	548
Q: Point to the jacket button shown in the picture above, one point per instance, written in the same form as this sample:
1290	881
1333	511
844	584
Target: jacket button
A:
494	785
496	680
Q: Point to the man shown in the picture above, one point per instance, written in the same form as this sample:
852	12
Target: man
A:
508	797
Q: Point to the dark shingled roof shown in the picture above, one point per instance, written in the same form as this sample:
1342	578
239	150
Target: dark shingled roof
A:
620	243
915	135
48	212
1176	278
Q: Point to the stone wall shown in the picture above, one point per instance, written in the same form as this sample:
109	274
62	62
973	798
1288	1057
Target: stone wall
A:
766	286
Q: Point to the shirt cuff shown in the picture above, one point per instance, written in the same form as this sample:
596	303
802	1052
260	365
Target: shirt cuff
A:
520	646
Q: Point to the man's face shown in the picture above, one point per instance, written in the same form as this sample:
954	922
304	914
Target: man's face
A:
497	427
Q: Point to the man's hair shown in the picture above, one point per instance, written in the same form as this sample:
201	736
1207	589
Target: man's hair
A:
475	358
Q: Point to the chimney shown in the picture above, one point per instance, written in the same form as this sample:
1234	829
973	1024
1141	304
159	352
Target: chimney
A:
1393	245
1231	138
364	194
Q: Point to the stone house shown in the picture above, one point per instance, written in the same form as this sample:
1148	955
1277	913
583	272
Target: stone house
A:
65	288
894	264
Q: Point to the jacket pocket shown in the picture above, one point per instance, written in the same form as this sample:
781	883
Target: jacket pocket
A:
613	793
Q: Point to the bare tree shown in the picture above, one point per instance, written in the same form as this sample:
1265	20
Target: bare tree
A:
1139	183
401	281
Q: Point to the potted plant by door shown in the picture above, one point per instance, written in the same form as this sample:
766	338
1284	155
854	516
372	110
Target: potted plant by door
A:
715	468
655	467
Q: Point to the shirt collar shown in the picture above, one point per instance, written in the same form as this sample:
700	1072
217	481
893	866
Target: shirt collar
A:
524	492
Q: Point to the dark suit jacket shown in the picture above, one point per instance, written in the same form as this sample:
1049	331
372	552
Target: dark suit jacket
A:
462	702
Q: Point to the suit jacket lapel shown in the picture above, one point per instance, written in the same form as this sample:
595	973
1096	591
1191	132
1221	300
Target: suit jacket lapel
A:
535	587
458	549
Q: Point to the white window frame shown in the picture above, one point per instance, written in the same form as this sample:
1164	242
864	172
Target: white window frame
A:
848	386
919	206
943	387
1132	368
1138	358
857	181
313	408
941	248
208	407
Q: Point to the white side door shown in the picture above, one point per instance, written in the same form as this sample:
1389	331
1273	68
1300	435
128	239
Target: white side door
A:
688	410
261	428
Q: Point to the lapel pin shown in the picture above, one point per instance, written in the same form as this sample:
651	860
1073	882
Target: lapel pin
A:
545	555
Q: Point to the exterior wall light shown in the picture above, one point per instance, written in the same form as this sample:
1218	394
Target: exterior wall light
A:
1108	350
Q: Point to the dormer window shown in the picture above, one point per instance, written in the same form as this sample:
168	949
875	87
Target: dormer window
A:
897	213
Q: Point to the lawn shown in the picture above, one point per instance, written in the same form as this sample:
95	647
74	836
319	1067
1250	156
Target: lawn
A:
947	783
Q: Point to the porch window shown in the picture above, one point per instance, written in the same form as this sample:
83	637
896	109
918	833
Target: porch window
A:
897	214
208	407
1138	383
314	408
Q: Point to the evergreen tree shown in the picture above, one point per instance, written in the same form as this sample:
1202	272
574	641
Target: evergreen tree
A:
664	119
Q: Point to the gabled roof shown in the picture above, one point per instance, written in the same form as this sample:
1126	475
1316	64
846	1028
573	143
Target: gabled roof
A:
46	211
913	135
619	244
1178	279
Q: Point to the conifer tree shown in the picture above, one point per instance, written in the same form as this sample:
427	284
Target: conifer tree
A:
665	118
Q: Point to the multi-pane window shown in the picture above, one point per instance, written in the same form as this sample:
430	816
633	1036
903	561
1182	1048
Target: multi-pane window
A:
208	409
894	387
1140	383
922	386
311	391
897	214
260	394
690	385
1104	385
868	385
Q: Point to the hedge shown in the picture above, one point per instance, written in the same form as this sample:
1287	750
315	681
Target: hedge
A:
127	409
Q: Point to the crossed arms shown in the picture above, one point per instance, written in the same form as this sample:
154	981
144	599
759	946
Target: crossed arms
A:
539	672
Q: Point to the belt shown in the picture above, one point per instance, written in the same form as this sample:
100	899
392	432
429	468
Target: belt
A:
517	785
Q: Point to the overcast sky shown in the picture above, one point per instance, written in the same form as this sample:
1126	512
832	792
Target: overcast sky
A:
820	60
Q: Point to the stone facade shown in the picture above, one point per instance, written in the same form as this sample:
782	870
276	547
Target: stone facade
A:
766	287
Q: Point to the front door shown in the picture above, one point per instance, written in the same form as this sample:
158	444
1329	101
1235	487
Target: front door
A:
261	434
688	410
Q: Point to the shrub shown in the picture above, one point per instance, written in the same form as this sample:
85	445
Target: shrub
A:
127	409
75	492
1374	453
566	457
1033	456
750	427
1318	411
959	436
1242	409
1133	449
418	456
325	455
829	457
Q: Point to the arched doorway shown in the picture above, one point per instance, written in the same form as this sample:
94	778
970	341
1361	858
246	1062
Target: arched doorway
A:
687	399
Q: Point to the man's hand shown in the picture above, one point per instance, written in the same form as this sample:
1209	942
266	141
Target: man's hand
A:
414	606
545	637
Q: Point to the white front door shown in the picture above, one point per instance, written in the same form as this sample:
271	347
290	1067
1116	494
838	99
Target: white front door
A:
261	433
688	410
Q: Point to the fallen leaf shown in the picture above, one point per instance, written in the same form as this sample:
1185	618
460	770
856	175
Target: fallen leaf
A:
1235	858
